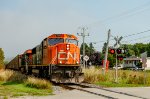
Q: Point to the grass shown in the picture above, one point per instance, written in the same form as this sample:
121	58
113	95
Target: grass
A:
14	89
38	83
13	84
113	84
126	78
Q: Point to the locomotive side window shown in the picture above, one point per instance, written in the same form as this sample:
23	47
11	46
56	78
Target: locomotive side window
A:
53	41
73	41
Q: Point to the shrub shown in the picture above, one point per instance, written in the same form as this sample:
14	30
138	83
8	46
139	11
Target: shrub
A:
12	76
93	75
38	83
124	75
141	80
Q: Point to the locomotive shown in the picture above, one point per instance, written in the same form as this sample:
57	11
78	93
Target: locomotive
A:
56	58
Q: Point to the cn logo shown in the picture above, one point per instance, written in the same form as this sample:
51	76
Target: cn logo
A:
66	56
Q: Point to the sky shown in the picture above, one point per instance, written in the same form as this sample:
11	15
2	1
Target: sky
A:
25	23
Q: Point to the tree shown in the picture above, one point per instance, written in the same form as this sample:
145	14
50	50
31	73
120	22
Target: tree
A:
112	60
104	47
139	48
148	49
91	48
1	58
87	49
129	50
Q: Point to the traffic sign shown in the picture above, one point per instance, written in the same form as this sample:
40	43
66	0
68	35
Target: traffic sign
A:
86	58
117	41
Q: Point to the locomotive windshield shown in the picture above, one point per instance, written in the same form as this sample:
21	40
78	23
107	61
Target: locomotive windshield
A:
53	41
73	41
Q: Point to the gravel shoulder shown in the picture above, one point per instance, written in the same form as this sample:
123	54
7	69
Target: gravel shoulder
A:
60	93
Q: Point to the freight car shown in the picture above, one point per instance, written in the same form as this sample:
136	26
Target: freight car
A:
15	63
56	58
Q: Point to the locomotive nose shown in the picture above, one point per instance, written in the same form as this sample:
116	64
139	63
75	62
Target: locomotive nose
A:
68	54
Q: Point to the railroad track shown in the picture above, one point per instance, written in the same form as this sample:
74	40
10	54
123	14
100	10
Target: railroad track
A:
100	91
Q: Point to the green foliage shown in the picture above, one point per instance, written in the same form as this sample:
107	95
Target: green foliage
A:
136	49
1	58
148	49
88	49
104	47
112	60
91	48
19	89
5	97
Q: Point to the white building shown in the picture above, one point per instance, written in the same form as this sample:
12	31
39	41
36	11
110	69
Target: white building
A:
133	62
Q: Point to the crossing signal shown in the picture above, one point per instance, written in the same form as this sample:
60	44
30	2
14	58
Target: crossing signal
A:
120	58
119	51
112	51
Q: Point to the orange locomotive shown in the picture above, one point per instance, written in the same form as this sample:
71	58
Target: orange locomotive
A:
57	57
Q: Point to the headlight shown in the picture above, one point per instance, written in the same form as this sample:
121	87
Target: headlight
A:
67	47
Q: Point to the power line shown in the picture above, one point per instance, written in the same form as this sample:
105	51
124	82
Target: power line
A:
136	33
125	13
138	38
127	37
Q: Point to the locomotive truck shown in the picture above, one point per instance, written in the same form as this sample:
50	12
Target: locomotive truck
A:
56	58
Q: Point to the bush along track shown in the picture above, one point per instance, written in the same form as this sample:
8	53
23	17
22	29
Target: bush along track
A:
126	78
13	84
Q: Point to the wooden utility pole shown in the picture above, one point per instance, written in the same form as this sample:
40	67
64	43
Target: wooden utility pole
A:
83	34
106	53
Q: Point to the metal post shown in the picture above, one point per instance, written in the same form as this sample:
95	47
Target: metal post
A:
116	72
106	53
118	39
83	47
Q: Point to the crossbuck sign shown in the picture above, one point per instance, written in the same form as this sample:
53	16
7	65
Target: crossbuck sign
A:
117	41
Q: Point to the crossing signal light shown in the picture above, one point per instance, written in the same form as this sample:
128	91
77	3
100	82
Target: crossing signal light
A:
120	58
119	51
112	51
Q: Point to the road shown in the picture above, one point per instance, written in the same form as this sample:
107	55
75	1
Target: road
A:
94	93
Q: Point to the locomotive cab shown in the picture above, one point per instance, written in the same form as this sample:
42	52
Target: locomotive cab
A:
61	49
